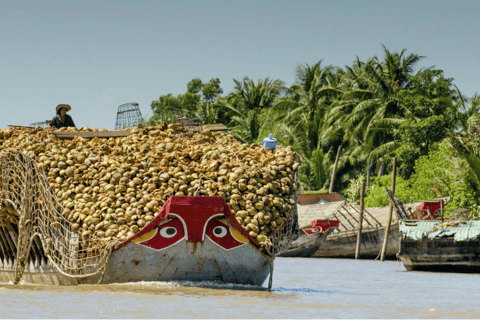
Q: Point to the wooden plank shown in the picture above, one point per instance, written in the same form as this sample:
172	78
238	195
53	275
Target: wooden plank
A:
15	126
364	217
193	128
348	220
89	135
160	260
211	127
371	216
215	127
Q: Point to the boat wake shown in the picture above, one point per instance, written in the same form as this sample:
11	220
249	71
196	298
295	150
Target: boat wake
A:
281	289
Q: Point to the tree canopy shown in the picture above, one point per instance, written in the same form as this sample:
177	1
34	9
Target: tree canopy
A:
375	110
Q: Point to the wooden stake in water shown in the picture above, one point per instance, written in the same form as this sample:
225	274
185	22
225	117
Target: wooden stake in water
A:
390	211
360	222
330	190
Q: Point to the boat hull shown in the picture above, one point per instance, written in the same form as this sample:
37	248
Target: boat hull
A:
310	238
440	254
184	261
344	245
191	239
305	246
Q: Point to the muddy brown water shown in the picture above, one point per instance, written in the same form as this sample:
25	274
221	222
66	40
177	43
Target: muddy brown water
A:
302	288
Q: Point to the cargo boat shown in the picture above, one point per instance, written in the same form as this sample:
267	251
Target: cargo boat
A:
429	245
193	238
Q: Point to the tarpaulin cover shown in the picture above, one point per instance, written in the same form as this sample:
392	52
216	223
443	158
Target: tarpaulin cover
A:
419	229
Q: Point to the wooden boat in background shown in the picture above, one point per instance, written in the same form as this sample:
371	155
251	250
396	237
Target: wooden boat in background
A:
310	238
340	241
193	238
429	245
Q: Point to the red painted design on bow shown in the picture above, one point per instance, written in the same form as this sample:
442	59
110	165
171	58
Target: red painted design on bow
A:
320	226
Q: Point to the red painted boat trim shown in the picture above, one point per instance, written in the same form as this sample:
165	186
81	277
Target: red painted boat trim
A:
218	205
320	226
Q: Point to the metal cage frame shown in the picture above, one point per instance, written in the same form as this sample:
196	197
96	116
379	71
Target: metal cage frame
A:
128	116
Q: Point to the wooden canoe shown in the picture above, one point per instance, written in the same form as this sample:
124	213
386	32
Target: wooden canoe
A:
193	238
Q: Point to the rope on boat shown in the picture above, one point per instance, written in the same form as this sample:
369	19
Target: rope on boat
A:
29	206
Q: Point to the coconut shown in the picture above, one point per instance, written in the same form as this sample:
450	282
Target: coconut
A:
113	188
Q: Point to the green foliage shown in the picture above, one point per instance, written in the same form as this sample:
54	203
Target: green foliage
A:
211	90
314	173
377	196
248	106
196	102
352	192
439	174
375	109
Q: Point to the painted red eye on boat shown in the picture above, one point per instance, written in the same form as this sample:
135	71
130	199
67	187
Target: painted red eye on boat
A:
168	232
224	235
315	230
163	236
220	231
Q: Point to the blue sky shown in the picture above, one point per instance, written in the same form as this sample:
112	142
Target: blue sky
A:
96	55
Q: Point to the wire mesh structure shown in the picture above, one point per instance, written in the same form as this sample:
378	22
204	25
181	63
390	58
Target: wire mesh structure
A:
32	212
282	239
128	116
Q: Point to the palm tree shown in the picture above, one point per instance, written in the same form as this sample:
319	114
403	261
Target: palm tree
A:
303	109
368	112
207	112
467	146
307	100
248	107
469	112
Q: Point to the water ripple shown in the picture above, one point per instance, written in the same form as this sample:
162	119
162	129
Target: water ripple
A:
282	289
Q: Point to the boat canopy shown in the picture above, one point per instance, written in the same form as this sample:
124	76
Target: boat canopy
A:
460	230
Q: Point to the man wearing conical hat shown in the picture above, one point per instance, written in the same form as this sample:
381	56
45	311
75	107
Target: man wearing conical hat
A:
62	119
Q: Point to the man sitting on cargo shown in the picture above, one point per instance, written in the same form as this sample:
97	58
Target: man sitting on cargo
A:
62	119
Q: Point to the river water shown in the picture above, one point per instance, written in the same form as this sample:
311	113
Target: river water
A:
302	288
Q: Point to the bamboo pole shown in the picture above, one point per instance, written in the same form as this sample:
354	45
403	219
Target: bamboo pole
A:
390	210
380	170
369	169
359	234
364	216
334	169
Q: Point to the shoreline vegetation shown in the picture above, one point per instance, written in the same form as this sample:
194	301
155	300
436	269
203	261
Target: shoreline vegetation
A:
376	110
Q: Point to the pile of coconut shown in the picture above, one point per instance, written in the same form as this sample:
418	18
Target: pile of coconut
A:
112	188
